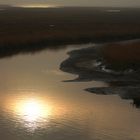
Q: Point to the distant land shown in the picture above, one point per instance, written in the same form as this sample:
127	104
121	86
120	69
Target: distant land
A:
67	25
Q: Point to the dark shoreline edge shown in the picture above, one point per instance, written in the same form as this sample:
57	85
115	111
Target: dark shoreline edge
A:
10	50
127	93
84	63
80	62
24	30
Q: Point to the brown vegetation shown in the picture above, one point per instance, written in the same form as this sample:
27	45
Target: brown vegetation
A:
66	25
122	55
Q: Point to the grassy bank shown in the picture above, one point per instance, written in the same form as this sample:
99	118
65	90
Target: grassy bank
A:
122	55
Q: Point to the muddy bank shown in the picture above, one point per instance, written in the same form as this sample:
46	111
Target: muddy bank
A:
97	63
127	93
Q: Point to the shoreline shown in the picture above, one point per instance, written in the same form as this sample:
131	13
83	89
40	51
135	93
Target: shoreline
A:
85	63
96	63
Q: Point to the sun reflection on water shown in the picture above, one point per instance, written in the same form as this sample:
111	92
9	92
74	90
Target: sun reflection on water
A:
32	113
29	111
32	110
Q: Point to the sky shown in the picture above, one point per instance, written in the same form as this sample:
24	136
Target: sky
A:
116	3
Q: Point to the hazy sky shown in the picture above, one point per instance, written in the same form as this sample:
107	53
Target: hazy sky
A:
74	2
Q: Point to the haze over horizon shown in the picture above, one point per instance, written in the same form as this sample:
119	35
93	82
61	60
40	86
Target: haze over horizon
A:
94	3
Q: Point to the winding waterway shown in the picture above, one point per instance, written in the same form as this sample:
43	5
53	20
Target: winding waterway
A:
36	103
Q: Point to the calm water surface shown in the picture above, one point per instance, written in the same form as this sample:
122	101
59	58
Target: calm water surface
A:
35	103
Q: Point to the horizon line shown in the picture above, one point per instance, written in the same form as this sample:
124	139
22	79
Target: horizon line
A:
61	6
